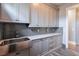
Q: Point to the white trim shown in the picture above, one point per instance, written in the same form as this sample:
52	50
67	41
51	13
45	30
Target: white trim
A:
67	39
67	28
77	43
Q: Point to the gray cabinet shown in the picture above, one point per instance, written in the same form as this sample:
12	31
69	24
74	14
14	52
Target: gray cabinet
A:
24	52
41	46
44	45
35	48
58	40
51	43
55	41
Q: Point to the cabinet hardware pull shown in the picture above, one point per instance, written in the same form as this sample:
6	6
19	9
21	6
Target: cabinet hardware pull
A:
17	20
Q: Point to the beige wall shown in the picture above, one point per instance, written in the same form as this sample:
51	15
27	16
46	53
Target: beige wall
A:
77	27
72	25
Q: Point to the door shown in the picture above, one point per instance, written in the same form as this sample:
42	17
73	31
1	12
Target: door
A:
71	28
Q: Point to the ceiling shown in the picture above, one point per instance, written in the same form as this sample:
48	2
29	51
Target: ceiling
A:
58	4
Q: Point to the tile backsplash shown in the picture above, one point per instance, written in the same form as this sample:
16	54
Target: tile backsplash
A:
0	31
17	30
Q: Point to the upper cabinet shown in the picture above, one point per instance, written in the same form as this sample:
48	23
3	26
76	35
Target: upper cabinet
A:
37	15
14	12
53	17
24	12
43	15
34	16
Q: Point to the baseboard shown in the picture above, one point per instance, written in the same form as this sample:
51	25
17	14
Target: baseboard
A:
71	45
63	45
77	43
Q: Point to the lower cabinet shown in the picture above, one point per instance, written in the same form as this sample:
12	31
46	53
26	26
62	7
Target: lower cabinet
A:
24	52
36	47
4	50
41	46
51	43
58	40
44	45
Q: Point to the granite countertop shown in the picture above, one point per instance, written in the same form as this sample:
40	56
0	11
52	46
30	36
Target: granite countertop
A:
26	38
34	36
42	36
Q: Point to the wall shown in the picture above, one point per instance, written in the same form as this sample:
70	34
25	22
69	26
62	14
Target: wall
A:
71	25
77	26
62	21
0	31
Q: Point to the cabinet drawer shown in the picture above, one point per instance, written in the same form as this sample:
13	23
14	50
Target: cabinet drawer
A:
52	46
35	48
4	50
23	45
52	42
24	52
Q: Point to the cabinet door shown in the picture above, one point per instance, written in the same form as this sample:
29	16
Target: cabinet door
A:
51	43
44	45
9	12
54	12
58	41
15	12
36	48
24	12
50	18
43	15
53	17
24	52
34	16
46	15
39	15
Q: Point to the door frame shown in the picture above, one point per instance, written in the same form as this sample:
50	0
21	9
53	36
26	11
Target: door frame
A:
67	29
